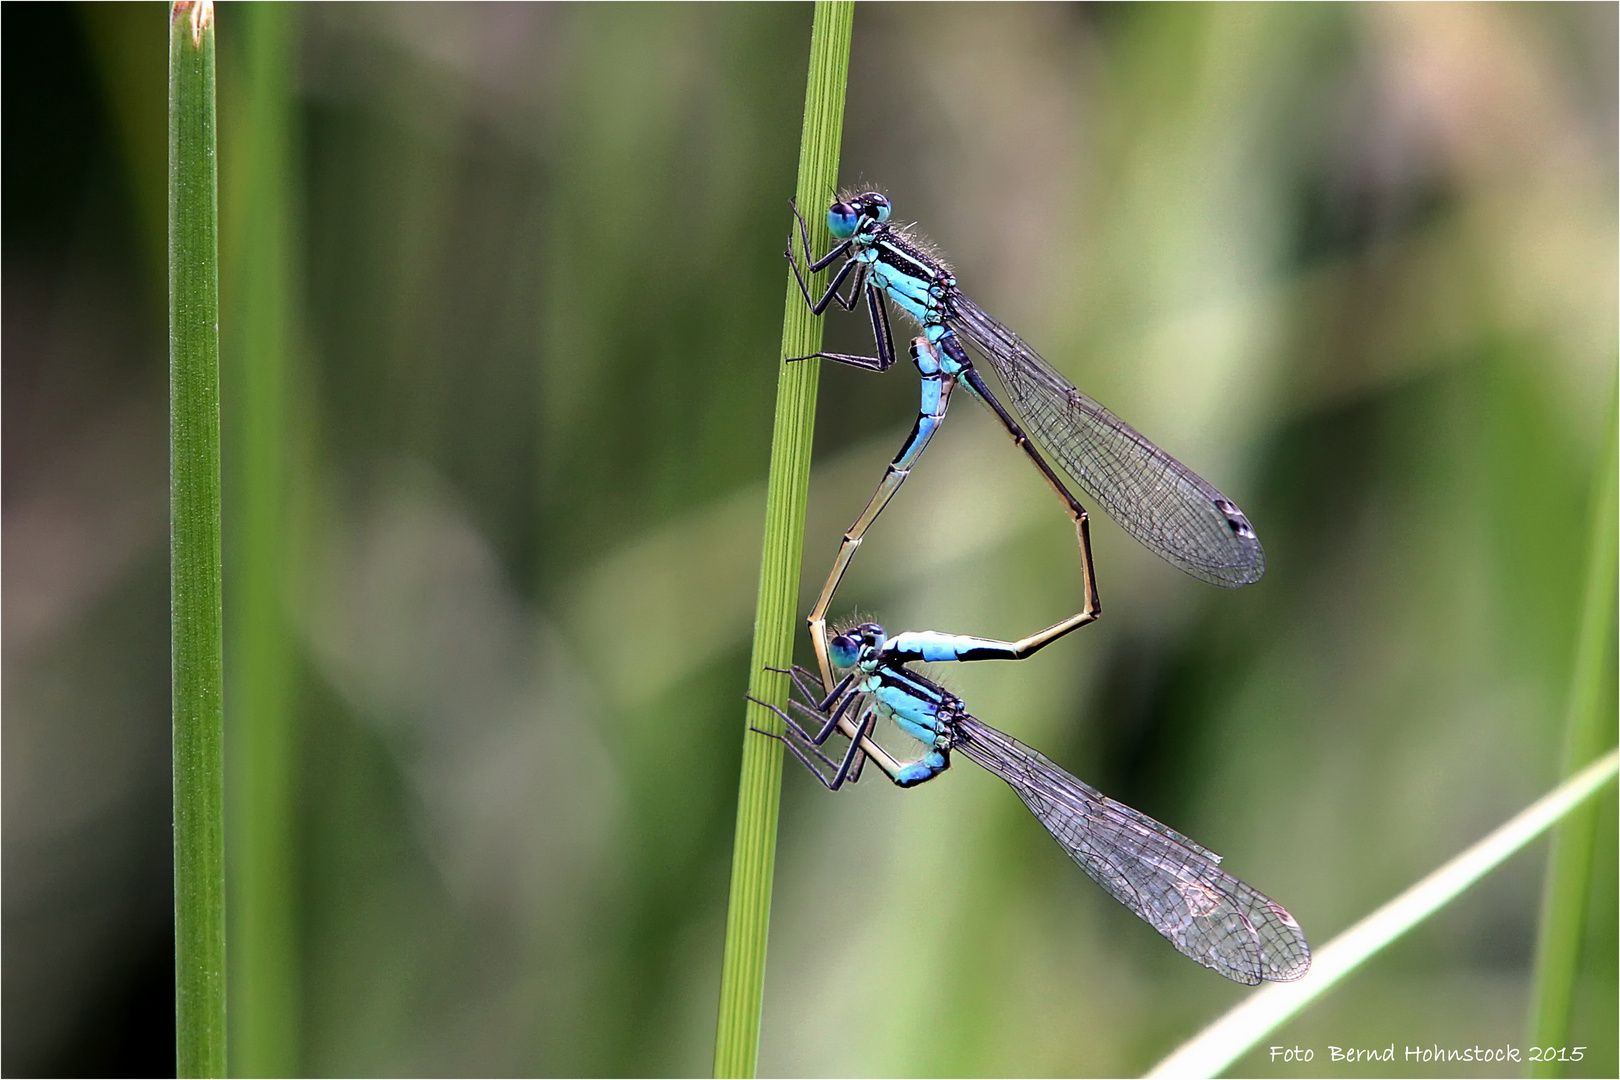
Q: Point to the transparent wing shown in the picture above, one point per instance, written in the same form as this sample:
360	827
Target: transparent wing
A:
1175	886
1166	506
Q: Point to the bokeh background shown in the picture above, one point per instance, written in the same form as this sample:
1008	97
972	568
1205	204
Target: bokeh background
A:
518	273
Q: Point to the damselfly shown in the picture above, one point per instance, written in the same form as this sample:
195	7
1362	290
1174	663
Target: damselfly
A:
1155	498
1174	885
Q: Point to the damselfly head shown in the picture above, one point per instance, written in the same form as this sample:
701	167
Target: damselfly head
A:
856	644
845	216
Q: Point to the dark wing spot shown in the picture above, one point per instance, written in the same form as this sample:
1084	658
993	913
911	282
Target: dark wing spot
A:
1234	519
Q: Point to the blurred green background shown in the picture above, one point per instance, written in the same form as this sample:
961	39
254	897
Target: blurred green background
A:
521	266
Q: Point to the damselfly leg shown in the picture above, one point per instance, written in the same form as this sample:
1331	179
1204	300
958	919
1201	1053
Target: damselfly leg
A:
845	770
832	712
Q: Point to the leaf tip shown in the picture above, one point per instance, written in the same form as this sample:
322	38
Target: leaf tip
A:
200	14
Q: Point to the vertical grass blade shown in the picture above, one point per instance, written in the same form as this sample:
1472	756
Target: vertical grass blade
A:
1569	865
263	544
195	618
1268	1008
753	860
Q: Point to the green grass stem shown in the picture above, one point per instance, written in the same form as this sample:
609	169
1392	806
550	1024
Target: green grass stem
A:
753	861
1587	730
263	542
195	588
1271	1006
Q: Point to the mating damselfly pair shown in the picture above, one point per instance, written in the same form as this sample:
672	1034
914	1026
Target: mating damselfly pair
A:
1173	884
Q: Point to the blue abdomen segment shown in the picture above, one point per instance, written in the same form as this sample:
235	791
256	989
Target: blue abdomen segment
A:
930	411
920	434
953	358
924	768
928	365
934	647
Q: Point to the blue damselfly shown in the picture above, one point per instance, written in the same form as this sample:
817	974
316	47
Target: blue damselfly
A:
1159	501
1173	884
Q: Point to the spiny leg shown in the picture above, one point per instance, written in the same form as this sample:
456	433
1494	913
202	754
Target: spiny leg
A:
794	727
848	770
846	726
816	265
855	757
800	754
937	388
860	746
917	706
804	760
803	680
818	306
881	333
819	710
855	773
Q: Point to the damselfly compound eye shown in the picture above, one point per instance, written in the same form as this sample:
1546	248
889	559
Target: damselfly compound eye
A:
842	220
844	651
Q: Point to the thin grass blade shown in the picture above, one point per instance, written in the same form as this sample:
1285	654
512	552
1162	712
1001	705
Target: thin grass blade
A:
753	863
1569	865
1234	1034
195	585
